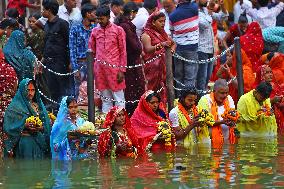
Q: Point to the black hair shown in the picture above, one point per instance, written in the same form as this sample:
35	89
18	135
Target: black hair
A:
12	13
85	2
264	89
69	100
263	3
243	18
129	7
35	15
150	4
116	2
87	8
104	2
187	90
157	16
51	5
103	11
151	95
9	22
270	56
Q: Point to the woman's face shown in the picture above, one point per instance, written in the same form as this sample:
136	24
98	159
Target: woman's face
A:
73	109
31	91
32	21
243	27
154	103
160	23
132	15
120	119
267	74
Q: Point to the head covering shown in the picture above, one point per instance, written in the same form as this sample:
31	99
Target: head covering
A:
17	113
274	35
18	56
152	29
59	144
260	74
252	43
105	139
144	123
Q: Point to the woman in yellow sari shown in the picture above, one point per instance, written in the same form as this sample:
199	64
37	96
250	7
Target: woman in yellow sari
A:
184	118
257	118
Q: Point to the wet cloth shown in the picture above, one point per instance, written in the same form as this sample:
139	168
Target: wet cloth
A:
61	147
18	56
251	124
32	145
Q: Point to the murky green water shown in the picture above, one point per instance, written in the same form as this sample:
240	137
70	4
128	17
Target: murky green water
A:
252	163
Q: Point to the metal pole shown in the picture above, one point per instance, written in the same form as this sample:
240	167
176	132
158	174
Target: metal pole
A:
240	77
90	86
169	79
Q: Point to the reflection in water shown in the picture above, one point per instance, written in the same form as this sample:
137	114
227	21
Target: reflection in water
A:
252	163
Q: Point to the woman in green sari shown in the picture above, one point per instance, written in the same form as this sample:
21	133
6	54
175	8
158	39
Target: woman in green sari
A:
22	140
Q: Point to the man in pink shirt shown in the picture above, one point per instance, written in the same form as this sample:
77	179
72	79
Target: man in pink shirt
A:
108	44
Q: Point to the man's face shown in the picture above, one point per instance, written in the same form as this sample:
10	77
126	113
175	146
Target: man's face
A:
103	20
189	101
91	16
169	6
71	3
221	94
116	9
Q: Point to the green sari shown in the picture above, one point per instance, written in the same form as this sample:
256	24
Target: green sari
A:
31	145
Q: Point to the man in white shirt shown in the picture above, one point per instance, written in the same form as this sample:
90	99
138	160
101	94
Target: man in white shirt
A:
168	7
115	9
238	11
68	12
143	14
264	16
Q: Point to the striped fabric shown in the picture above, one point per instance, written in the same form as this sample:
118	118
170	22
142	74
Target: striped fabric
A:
184	24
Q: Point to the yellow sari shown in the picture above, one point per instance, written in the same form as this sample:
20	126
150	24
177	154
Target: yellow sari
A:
251	124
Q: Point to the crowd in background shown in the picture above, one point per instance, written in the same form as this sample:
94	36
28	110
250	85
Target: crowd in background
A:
129	43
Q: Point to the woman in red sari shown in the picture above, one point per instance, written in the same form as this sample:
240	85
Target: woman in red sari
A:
8	88
252	43
144	123
228	71
154	40
266	73
114	141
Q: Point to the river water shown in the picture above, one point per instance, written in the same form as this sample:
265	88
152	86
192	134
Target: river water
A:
252	163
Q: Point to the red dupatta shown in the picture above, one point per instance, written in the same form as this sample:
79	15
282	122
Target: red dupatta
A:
144	123
252	43
104	145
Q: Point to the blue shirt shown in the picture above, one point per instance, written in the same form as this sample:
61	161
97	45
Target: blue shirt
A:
78	43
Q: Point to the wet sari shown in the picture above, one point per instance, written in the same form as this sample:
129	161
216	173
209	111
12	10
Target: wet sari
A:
19	140
144	123
61	147
8	87
155	72
110	139
18	56
252	43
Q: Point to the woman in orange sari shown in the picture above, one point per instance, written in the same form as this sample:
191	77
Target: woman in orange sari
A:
228	71
275	77
252	43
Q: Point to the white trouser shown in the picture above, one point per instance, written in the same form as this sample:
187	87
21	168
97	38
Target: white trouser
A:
117	96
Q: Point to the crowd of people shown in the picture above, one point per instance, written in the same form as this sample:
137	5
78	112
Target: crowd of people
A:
47	63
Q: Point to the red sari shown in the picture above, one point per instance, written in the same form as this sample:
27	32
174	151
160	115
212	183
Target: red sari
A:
106	138
277	89
155	72
8	87
144	123
252	43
